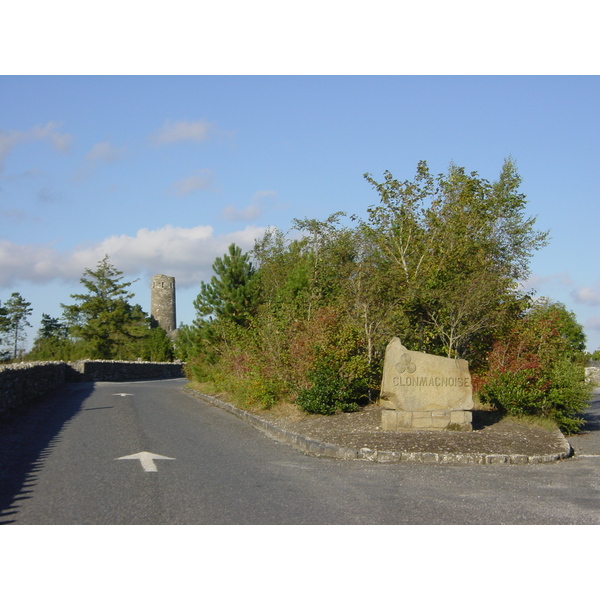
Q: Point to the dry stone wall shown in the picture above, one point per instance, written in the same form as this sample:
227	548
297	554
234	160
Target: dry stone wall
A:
117	370
23	383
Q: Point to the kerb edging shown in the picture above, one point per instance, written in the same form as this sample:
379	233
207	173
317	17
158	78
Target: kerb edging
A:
324	449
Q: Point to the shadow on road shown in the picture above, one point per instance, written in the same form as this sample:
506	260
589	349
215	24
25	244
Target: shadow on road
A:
27	438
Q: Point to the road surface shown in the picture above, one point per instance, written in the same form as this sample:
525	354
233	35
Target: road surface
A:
148	453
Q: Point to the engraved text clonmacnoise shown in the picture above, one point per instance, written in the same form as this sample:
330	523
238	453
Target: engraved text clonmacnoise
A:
418	384
405	365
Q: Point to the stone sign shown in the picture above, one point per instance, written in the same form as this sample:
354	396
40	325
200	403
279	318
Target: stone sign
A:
423	391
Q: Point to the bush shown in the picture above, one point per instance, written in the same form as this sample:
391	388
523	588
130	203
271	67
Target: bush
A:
331	391
515	393
569	396
560	394
537	371
264	391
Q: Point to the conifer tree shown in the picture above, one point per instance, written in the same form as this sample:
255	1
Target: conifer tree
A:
51	342
229	295
16	310
103	318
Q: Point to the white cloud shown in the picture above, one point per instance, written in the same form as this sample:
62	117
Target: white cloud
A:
48	132
60	141
252	211
101	153
263	194
538	281
200	180
181	131
104	152
20	261
7	142
184	253
586	295
16	215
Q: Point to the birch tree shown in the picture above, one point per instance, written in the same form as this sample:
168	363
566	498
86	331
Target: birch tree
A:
459	245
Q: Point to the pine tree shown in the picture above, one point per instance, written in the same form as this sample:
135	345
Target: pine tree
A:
51	342
230	294
16	310
103	318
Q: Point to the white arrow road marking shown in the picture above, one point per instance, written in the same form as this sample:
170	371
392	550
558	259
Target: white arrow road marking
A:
122	394
147	459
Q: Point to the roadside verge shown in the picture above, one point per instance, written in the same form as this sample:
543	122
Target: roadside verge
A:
324	449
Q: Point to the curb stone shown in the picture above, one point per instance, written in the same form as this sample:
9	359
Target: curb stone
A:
324	449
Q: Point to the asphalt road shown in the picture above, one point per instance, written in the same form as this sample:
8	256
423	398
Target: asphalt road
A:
71	459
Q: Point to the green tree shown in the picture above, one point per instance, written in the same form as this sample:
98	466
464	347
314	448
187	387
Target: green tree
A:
103	319
536	369
16	310
307	292
52	340
324	254
565	323
186	343
230	293
371	297
156	346
458	246
51	327
224	308
436	262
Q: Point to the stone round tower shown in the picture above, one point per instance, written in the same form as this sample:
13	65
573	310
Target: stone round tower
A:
162	304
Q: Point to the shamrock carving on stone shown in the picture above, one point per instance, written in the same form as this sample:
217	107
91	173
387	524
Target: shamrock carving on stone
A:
405	365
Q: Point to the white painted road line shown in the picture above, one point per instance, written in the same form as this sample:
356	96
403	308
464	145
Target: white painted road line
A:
146	459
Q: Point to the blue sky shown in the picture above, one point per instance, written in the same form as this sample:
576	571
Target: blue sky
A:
162	173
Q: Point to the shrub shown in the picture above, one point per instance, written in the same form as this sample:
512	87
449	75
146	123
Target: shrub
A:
537	371
569	396
331	391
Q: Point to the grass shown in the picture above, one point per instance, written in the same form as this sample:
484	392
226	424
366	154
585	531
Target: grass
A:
484	414
282	409
532	421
